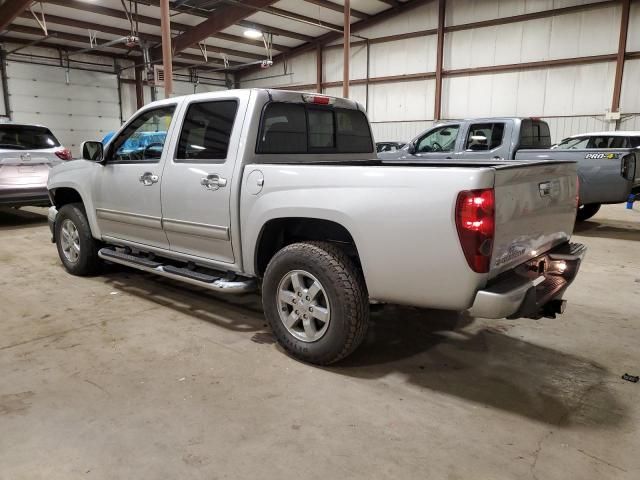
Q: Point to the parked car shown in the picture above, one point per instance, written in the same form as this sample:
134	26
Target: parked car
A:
606	176
600	140
389	146
283	191
27	153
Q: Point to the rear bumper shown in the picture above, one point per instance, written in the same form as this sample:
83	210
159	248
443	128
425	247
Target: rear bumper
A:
24	196
529	289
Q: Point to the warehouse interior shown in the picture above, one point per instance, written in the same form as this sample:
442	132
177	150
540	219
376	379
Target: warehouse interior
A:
130	375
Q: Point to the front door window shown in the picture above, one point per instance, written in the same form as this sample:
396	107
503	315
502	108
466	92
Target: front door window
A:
441	139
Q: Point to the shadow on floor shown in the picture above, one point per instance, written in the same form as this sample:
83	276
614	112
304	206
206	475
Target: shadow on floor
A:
616	229
13	219
434	351
241	313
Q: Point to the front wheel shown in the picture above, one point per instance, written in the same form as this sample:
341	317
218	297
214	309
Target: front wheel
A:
587	211
316	302
77	248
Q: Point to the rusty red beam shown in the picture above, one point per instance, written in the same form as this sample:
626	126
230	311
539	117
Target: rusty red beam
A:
622	47
10	11
437	107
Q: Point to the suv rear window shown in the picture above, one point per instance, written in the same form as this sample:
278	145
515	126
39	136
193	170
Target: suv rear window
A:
299	128
534	134
25	137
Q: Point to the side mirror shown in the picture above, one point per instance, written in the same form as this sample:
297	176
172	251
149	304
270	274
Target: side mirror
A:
411	148
93	151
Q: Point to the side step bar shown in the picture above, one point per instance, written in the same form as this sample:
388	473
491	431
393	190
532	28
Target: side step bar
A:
210	282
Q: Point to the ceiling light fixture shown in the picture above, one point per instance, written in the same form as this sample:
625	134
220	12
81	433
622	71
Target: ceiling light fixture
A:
253	33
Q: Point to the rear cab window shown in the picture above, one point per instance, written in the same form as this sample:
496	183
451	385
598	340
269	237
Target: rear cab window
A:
297	128
534	133
26	137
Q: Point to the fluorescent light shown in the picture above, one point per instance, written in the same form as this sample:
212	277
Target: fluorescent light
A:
252	33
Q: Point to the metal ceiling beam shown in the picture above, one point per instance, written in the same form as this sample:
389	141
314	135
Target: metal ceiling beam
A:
222	18
243	23
146	20
10	10
355	27
296	17
337	8
70	22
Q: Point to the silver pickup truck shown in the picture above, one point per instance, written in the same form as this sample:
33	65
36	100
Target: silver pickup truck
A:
607	175
282	192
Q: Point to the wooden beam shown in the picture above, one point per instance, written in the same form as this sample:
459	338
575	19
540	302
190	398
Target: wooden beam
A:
10	10
346	48
338	8
437	107
622	47
224	18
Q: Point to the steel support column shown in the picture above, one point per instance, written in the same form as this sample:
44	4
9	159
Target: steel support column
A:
622	47
437	108
319	69
167	53
139	88
347	38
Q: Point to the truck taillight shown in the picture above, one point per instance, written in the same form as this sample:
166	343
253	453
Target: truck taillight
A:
475	221
64	154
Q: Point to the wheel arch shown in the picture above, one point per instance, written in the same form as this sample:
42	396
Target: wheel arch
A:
277	233
62	195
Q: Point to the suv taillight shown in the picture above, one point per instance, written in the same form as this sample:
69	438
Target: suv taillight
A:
64	154
475	221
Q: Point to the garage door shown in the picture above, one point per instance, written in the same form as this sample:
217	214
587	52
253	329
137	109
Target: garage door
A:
85	109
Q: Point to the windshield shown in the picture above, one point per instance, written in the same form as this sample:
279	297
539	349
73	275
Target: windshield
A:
596	141
23	137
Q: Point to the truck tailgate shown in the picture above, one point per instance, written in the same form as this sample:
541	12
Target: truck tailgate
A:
535	210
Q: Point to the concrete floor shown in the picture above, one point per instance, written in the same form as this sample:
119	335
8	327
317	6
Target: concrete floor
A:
130	376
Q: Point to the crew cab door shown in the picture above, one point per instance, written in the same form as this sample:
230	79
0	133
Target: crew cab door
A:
197	180
438	143
127	188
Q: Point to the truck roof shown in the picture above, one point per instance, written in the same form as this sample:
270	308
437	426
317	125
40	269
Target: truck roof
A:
615	133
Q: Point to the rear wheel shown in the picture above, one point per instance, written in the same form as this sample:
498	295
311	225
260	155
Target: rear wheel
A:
77	248
587	211
315	300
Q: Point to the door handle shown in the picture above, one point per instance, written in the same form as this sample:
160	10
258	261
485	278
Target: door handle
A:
213	182
148	179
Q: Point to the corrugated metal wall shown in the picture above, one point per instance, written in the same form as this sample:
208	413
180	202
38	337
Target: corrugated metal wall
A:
571	98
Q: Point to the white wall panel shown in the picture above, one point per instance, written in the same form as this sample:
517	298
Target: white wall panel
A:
562	127
630	123
564	36
468	11
401	101
633	36
630	97
398	131
332	66
578	90
424	17
301	70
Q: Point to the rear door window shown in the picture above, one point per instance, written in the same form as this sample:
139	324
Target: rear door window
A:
607	141
297	128
206	132
635	142
26	137
484	137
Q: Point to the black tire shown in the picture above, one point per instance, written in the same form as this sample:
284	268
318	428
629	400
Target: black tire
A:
587	211
346	293
87	262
